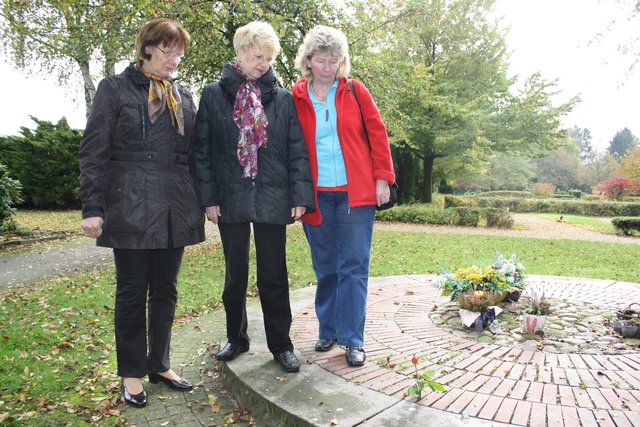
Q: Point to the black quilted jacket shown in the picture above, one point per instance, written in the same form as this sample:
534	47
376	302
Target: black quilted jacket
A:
283	180
136	174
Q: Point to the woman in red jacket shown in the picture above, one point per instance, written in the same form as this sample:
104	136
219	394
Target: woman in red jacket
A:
350	178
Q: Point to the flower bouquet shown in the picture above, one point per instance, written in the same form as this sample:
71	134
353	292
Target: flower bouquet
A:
477	309
503	276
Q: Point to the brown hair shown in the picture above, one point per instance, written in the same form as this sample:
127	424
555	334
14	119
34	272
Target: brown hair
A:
161	31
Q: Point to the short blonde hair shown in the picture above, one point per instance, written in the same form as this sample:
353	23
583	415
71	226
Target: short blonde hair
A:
327	40
161	31
259	34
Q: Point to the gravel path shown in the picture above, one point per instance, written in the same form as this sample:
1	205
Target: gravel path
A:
64	258
527	225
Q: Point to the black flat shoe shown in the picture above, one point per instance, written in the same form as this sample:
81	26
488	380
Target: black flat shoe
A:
180	385
355	356
136	400
230	351
288	361
325	345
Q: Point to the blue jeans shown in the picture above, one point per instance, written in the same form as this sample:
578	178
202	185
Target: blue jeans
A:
340	249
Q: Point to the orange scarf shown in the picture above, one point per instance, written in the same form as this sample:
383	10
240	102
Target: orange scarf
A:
164	93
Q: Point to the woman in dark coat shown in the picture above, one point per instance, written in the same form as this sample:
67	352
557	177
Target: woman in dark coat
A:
252	169
138	197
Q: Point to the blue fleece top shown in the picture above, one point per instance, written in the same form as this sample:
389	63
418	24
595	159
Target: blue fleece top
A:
331	169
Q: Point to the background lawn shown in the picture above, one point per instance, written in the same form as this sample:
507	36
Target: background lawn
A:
57	347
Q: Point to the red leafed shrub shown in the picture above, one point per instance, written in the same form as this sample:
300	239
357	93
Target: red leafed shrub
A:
614	188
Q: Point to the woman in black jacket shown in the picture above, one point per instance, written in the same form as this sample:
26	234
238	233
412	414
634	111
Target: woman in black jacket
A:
138	198
252	168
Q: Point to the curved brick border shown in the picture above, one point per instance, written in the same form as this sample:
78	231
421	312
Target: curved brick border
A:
501	384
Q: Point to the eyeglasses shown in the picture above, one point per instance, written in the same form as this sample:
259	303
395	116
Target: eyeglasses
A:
171	55
262	59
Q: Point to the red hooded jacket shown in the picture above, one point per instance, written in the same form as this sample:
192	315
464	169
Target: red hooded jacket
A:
363	165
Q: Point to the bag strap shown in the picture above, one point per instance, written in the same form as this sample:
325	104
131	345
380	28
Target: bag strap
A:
364	126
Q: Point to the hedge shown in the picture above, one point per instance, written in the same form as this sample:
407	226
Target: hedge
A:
571	207
461	215
626	225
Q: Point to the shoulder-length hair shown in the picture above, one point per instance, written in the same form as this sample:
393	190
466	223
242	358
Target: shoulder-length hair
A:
324	39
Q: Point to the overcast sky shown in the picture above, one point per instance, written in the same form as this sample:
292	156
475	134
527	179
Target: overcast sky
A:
550	36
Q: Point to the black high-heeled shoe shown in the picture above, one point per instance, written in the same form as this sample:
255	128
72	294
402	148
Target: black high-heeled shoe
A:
180	384
137	400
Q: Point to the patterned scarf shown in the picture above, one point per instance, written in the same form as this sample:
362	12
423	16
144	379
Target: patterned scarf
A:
164	93
251	119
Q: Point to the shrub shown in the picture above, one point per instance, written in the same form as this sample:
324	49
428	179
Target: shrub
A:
417	214
465	216
498	218
543	189
575	193
45	161
9	197
456	202
571	207
626	225
505	193
614	188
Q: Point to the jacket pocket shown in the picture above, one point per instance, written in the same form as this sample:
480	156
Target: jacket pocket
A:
126	209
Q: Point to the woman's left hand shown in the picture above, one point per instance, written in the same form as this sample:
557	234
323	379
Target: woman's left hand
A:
382	192
297	212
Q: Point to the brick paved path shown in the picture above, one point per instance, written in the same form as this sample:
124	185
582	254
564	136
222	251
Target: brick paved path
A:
500	384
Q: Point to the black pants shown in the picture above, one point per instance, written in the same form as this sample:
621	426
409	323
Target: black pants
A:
139	271
273	283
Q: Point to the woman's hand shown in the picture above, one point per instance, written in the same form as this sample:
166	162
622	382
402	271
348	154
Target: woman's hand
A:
382	192
297	212
213	213
92	226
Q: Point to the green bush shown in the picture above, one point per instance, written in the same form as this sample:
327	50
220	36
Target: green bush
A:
575	193
45	161
466	216
571	207
498	218
626	225
456	201
505	193
418	214
9	197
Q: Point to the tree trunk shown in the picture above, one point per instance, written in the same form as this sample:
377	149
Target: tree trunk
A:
89	87
427	178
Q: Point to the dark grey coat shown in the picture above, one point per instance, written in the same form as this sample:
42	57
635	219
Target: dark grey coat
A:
135	174
283	180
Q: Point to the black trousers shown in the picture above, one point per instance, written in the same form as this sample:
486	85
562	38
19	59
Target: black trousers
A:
138	272
273	282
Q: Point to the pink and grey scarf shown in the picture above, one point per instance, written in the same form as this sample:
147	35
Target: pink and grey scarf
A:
251	119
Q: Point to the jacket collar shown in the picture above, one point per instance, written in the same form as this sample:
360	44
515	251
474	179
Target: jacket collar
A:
230	80
137	76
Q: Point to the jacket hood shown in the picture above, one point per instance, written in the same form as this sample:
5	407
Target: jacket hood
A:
231	79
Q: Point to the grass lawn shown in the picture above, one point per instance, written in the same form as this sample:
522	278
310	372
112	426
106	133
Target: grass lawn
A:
57	356
601	225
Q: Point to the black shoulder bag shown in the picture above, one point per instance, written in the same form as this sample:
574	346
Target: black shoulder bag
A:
393	188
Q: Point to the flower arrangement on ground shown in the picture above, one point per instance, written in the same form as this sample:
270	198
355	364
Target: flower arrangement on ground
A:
503	276
535	310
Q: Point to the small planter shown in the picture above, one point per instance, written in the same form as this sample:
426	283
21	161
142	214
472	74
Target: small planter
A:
533	323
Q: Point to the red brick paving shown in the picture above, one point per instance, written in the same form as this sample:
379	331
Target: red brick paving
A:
487	381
